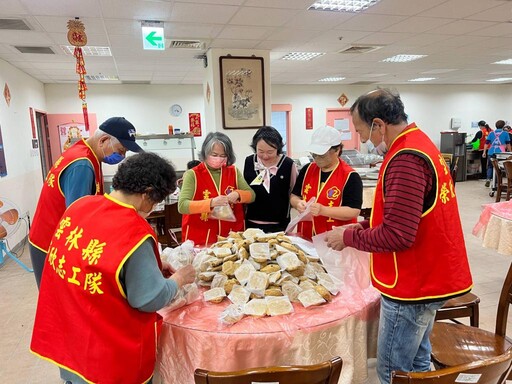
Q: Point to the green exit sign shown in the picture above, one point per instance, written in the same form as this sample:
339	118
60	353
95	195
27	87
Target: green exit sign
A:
153	38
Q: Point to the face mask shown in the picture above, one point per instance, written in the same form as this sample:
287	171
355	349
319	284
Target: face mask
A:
146	214
114	158
216	162
380	149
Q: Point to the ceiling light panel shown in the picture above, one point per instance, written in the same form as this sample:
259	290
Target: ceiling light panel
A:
500	79
342	5
508	61
101	77
402	58
302	56
420	79
332	79
87	50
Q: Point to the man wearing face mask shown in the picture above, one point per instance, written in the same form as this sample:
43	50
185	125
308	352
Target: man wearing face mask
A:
104	281
418	255
75	174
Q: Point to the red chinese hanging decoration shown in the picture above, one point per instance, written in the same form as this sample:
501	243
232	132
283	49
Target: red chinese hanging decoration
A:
78	38
194	122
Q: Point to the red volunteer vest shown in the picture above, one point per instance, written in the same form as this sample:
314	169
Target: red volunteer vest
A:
200	228
52	202
329	194
485	133
436	266
101	338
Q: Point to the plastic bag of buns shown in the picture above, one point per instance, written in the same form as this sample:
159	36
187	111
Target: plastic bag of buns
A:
278	305
256	307
214	295
222	212
232	314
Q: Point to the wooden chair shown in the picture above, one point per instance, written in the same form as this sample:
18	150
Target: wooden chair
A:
499	174
324	373
507	164
454	169
457	344
459	307
491	371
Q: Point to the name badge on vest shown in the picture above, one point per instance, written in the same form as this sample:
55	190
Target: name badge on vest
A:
258	180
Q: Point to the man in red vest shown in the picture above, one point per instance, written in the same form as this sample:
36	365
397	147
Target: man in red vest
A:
103	281
75	174
418	255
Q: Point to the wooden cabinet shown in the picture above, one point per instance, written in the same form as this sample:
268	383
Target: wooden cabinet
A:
164	221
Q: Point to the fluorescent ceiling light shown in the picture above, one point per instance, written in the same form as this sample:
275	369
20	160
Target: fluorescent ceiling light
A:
87	50
402	58
508	61
342	5
498	79
332	79
101	77
303	56
423	79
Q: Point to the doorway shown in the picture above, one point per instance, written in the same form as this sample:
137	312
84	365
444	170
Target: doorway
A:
43	135
341	119
281	121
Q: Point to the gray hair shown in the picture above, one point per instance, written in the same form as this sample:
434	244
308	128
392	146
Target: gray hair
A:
99	134
222	139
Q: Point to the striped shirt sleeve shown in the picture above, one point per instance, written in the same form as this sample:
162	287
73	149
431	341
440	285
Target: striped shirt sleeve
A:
409	179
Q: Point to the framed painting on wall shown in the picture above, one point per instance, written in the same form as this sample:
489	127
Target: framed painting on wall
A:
242	92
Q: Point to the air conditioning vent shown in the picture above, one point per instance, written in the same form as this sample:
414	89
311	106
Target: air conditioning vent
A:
186	44
41	50
360	49
364	83
14	25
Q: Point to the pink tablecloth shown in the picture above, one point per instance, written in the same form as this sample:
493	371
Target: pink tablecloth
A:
495	227
193	338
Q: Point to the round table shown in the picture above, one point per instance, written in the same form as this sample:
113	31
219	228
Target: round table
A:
192	337
495	227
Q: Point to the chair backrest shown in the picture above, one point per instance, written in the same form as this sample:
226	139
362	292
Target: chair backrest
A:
508	169
490	371
454	169
497	170
503	304
324	373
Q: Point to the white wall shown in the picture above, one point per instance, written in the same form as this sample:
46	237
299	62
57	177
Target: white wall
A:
430	106
24	179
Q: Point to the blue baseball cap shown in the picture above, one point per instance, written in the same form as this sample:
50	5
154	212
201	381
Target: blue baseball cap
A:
122	130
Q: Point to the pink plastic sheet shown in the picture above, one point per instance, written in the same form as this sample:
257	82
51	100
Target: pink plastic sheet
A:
192	337
501	209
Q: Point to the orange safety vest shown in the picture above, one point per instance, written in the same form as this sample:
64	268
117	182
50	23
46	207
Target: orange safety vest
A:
200	228
329	194
436	266
84	322
52	202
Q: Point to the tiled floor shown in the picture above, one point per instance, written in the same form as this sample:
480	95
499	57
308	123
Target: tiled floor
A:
18	295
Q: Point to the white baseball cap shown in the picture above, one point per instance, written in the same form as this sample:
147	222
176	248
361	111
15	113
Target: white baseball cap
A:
323	139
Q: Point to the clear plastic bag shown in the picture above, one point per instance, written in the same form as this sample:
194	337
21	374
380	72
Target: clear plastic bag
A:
304	216
223	212
185	296
180	256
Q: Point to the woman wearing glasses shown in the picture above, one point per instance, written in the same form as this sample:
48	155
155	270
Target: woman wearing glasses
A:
337	188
